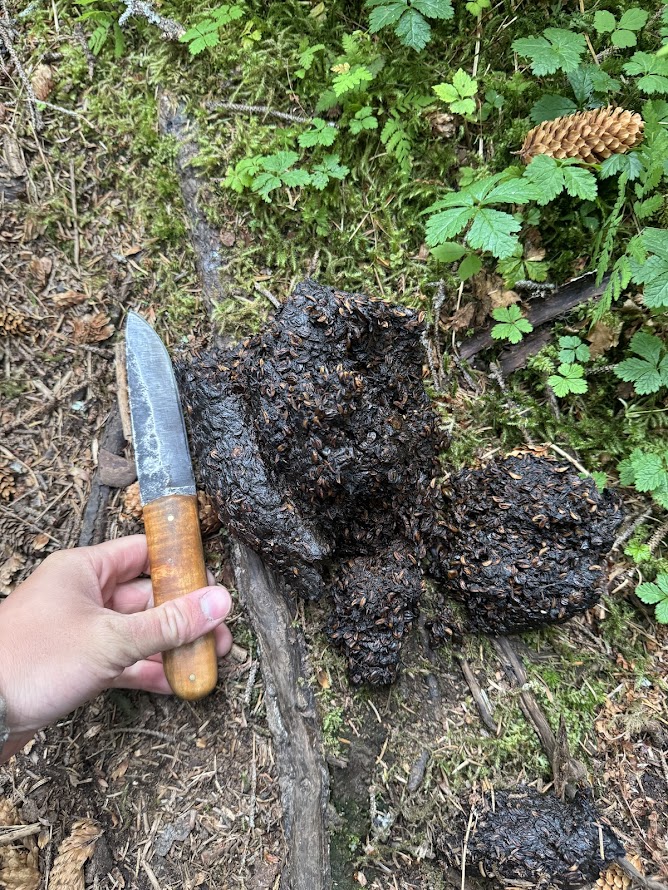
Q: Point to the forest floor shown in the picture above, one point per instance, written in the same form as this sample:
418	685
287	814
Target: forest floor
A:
187	794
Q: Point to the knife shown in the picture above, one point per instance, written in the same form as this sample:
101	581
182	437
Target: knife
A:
167	489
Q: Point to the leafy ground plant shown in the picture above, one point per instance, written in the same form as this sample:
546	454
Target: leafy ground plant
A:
655	594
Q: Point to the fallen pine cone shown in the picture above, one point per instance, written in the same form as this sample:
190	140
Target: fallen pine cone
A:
92	328
589	136
7	484
67	873
208	518
616	879
42	82
13	322
18	861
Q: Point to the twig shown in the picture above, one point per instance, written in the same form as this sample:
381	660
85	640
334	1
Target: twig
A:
658	537
496	373
479	696
630	528
576	463
139	730
6	36
465	846
261	109
267	294
30	524
75	215
83	43
639	877
170	28
39	410
13	833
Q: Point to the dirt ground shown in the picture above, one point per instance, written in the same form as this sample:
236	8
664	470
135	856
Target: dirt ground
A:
187	795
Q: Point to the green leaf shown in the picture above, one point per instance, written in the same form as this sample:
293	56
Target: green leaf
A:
568	380
557	50
385	15
544	173
648	346
280	161
648	373
651	593
434	9
512	191
579	183
350	80
654	275
494	230
604	22
321	133
463	106
661	612
469	267
623	39
572	349
445	225
600	479
621	163
448	252
550	107
265	183
634	19
364	120
465	85
446	92
648	471
512	324
413	30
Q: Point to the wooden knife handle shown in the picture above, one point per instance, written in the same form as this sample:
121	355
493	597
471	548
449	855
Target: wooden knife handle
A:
177	567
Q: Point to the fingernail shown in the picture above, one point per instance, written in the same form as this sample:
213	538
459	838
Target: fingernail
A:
215	603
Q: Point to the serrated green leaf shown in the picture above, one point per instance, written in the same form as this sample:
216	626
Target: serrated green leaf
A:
446	92
264	184
434	9
626	472
326	101
385	15
646	209
512	191
650	593
557	50
604	22
447	224
550	107
347	81
465	85
279	161
634	19
648	471
296	178
320	134
644	376
494	230
579	183
463	106
651	84
648	346
654	275
448	252
661	612
547	177
413	30
629	164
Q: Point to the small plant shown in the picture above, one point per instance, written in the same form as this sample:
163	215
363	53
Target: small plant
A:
321	133
648	472
459	94
572	349
648	372
512	325
569	379
622	33
106	25
265	174
655	594
409	18
364	119
206	33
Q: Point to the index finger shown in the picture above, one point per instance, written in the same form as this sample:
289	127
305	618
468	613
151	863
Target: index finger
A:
118	561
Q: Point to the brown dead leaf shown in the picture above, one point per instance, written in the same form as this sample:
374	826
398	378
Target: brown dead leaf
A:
92	328
68	298
462	318
443	124
13	155
500	299
602	337
42	82
40	269
534	253
323	678
120	770
227	239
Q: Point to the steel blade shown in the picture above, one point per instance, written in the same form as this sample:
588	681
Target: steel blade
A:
163	460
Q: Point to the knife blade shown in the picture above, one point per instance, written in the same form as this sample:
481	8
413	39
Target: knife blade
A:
167	490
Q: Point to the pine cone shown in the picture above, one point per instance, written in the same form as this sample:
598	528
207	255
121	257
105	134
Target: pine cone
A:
589	136
616	879
18	862
208	518
15	534
8	814
7	485
67	873
42	82
13	322
92	328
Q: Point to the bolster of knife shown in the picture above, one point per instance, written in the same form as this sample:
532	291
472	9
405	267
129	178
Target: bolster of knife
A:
177	567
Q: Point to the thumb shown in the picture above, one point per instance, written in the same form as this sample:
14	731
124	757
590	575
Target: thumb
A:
173	623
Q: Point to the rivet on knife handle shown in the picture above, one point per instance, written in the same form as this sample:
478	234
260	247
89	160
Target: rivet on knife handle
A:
177	568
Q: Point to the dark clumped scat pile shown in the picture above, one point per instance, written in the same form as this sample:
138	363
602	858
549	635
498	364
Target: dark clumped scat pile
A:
526	838
522	544
318	444
320	448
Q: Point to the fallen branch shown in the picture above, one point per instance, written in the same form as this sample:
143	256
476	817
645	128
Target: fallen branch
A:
260	109
7	39
169	27
554	304
292	718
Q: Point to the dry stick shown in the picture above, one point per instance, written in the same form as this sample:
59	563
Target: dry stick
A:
260	109
638	877
39	410
479	696
292	718
566	770
170	28
6	37
94	520
658	537
623	537
10	834
291	711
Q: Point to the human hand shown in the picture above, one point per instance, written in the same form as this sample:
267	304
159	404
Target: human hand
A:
81	624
